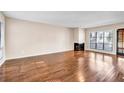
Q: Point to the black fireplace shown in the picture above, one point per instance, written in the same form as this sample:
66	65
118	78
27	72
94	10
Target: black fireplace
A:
78	46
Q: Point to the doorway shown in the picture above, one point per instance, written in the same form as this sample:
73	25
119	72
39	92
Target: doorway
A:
120	41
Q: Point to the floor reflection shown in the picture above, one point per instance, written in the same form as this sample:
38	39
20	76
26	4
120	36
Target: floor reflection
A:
78	66
80	73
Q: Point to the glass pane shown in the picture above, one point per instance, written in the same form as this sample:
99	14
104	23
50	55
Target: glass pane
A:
120	38
120	44
120	51
99	37
123	45
108	34
92	46
100	46
92	40
108	40
120	32
123	38
92	34
108	47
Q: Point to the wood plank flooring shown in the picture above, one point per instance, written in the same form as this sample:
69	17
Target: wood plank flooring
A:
78	66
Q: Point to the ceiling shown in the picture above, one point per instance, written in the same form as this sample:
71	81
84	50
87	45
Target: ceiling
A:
82	19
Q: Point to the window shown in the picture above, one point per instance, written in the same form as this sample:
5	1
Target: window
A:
93	40
101	40
108	41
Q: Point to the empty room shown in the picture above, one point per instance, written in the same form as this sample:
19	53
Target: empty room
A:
61	46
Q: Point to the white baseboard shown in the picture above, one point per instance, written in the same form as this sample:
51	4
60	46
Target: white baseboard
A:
2	61
38	54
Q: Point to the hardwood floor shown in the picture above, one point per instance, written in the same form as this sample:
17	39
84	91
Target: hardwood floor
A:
65	67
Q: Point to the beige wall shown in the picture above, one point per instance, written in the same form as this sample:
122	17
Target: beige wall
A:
79	35
112	28
24	38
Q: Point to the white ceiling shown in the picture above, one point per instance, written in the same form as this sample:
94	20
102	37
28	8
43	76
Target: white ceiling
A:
83	19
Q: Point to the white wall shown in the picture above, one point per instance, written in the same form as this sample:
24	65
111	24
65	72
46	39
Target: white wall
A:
76	35
2	50
79	35
112	28
24	38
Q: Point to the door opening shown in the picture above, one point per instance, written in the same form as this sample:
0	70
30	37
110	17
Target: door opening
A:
120	41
